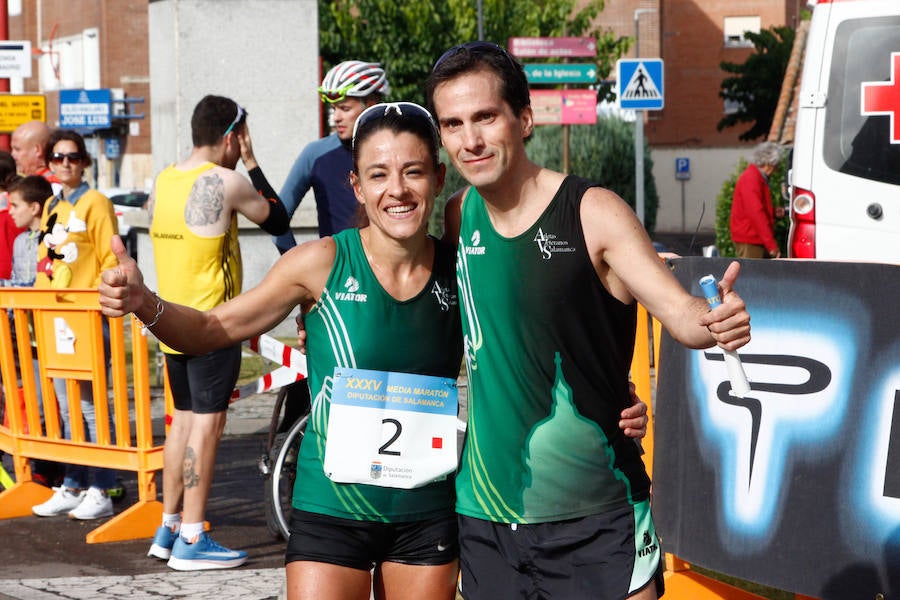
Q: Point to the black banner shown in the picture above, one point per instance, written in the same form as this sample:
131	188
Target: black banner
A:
797	485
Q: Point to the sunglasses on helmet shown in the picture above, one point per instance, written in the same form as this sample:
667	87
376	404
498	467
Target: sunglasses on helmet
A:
335	96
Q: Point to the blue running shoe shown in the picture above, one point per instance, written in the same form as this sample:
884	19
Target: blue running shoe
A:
162	543
203	554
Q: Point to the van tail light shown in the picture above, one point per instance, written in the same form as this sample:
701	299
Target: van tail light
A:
802	242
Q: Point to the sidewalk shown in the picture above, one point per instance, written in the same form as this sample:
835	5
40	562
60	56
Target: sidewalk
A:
42	559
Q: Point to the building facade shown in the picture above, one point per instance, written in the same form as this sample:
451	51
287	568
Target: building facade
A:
693	37
93	45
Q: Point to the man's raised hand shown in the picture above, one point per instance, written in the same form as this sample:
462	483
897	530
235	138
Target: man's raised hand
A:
122	287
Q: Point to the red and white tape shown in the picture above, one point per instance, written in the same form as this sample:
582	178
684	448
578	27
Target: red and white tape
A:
292	369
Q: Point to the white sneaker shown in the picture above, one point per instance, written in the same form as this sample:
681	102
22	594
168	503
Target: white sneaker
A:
95	505
62	501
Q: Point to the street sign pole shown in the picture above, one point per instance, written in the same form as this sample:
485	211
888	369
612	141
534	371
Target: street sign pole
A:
639	164
640	88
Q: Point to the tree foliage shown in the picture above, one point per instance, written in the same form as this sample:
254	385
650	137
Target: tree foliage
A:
603	153
756	84
407	37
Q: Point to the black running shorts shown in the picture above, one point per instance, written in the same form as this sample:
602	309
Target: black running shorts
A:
603	557
363	544
203	384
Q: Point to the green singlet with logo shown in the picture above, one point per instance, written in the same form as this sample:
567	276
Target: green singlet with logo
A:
548	351
356	323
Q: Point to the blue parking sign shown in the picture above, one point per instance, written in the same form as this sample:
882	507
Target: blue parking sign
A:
682	168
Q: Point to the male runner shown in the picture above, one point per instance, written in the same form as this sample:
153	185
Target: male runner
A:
348	88
553	499
194	207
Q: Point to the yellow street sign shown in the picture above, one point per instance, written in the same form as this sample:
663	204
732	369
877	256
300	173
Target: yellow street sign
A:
16	109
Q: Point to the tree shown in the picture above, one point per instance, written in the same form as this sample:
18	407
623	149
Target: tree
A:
407	37
756	83
603	153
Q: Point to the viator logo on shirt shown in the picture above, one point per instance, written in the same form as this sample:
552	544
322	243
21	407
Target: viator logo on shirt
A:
475	248
352	286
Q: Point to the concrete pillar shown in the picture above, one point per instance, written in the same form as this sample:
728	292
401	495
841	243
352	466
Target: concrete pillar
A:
264	54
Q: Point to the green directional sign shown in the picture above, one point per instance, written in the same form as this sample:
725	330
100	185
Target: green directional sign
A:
561	72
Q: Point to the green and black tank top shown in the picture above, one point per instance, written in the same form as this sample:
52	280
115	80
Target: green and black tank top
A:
548	351
357	324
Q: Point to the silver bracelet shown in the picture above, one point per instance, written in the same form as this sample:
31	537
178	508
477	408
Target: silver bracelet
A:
159	311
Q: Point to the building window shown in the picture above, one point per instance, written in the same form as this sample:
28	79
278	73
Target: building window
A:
735	27
73	62
732	106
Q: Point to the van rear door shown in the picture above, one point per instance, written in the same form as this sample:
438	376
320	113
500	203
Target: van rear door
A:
847	147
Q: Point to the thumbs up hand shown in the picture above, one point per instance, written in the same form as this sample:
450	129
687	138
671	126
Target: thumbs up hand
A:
122	288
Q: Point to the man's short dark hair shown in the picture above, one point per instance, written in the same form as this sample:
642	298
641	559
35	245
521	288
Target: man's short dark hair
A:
481	56
212	118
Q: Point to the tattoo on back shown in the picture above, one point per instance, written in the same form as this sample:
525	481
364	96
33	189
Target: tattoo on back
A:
189	474
207	200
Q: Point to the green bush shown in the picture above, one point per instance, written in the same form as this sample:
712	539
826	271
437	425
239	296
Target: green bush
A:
603	153
723	209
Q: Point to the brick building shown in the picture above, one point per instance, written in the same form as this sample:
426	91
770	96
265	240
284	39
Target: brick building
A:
93	44
693	37
104	44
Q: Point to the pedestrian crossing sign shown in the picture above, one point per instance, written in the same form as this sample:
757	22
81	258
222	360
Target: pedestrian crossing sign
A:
640	83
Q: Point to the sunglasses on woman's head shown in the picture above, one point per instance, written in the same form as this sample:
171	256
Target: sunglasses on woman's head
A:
379	111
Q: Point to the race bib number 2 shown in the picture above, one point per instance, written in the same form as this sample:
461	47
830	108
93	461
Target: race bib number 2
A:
391	429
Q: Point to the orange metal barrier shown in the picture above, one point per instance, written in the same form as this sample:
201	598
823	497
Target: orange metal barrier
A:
67	328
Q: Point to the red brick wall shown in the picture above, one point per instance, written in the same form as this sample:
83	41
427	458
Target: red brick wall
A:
124	50
688	35
693	48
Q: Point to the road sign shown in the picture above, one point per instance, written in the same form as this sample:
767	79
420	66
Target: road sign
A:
546	47
682	168
564	107
112	148
561	73
85	109
16	109
640	83
15	59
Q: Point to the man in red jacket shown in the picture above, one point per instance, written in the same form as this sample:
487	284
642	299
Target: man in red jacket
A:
752	213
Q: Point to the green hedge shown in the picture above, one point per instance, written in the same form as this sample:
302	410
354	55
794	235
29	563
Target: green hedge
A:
603	153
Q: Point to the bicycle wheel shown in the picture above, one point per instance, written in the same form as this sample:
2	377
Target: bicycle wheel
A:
279	487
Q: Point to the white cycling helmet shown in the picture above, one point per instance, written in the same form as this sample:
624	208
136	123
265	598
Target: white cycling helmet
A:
353	78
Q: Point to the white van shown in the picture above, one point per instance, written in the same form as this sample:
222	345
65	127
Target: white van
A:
845	175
